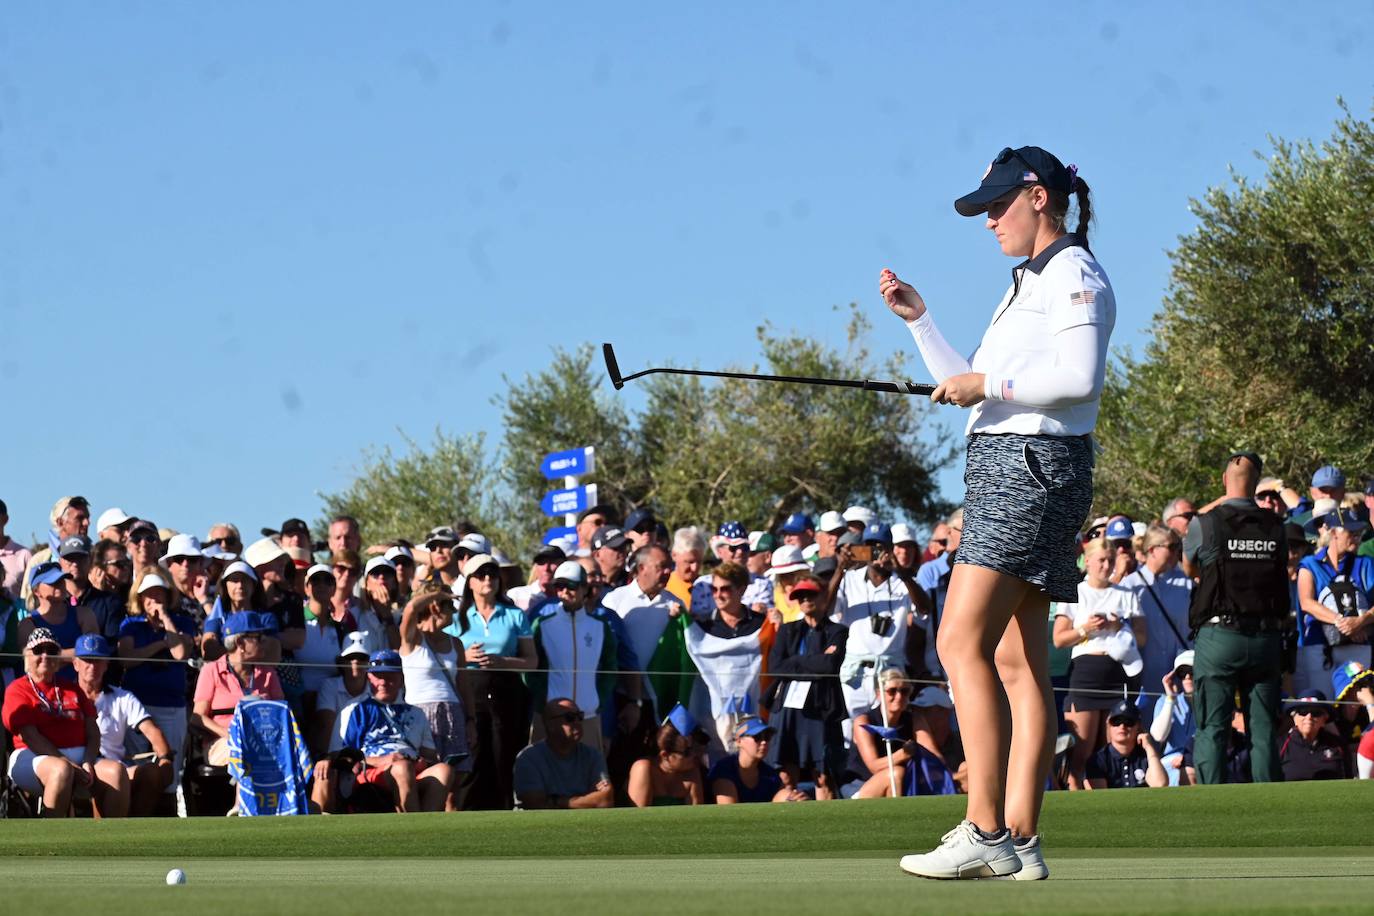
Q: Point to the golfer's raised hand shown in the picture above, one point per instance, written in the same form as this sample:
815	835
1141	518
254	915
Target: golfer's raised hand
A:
904	301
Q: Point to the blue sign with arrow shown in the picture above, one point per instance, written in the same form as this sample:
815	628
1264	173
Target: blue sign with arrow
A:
571	462
563	502
559	533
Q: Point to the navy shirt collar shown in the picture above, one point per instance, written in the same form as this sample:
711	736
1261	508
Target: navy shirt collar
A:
1036	264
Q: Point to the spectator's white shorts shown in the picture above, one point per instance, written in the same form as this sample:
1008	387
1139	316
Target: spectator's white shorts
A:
24	765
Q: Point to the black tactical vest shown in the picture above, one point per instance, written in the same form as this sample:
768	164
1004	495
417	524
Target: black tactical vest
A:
1249	579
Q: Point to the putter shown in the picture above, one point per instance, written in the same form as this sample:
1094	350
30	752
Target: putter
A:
618	380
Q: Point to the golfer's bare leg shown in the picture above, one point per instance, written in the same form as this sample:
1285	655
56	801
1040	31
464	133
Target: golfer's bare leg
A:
1023	661
979	606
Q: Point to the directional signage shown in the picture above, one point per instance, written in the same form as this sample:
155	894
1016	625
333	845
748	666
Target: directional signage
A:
570	463
563	502
557	534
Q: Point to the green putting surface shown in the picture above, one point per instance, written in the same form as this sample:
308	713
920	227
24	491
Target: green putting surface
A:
1222	849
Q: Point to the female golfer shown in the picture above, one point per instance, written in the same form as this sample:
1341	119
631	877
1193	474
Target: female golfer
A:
1033	385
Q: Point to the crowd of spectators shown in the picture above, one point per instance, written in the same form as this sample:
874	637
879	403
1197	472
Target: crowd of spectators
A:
626	665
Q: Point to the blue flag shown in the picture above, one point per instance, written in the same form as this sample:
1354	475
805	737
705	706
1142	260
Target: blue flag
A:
883	731
268	759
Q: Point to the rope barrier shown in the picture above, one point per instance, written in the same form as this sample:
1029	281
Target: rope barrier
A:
494	669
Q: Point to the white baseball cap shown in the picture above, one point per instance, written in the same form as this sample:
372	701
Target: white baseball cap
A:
378	563
112	518
400	550
903	534
238	566
786	559
570	571
831	521
859	514
355	643
477	561
318	569
183	545
477	543
150	582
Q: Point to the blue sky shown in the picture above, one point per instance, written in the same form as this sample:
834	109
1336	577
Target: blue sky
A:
240	243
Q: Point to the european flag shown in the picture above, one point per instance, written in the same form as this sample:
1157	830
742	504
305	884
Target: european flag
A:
268	759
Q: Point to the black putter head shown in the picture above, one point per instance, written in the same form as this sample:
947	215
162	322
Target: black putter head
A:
612	367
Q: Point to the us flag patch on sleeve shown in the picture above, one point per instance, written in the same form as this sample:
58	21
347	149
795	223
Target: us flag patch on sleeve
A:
1084	297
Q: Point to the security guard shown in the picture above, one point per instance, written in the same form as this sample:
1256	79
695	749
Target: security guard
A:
1238	553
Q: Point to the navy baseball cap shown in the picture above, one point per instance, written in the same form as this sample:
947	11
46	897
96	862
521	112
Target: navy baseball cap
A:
46	574
1119	529
1344	518
877	533
796	523
608	536
640	516
733	533
92	645
1012	169
385	660
1314	701
1124	709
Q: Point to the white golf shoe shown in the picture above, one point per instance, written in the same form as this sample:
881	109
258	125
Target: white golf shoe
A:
963	853
1033	867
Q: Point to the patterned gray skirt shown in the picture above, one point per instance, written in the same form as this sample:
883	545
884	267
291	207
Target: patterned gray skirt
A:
1026	499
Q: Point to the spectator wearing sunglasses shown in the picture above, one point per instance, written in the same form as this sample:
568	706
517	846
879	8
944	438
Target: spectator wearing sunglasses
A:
640	526
70	517
672	775
145	547
498	646
1129	759
539	592
745	776
728	646
54	728
53	610
562	771
871	753
1309	750
1164	593
1270	496
805	697
575	645
1178	512
1173	724
111	574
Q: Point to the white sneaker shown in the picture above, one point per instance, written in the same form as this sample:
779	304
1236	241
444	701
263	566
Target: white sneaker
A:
963	853
1033	867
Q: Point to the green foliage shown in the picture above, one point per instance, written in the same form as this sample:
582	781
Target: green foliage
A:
758	451
699	453
403	497
1265	340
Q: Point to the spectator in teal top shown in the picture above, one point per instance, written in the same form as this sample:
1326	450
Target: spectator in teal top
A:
498	646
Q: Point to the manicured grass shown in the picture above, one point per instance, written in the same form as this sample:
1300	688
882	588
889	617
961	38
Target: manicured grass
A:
1292	815
1252	849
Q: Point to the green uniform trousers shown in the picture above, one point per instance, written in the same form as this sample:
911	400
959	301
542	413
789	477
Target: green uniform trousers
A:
1228	661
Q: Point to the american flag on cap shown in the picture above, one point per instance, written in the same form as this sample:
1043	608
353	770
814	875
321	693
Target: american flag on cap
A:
733	533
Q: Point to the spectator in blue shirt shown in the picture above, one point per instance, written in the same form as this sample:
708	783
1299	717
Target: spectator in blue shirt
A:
1173	725
745	776
155	641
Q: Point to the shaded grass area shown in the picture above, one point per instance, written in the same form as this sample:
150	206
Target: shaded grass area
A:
1217	817
1272	880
